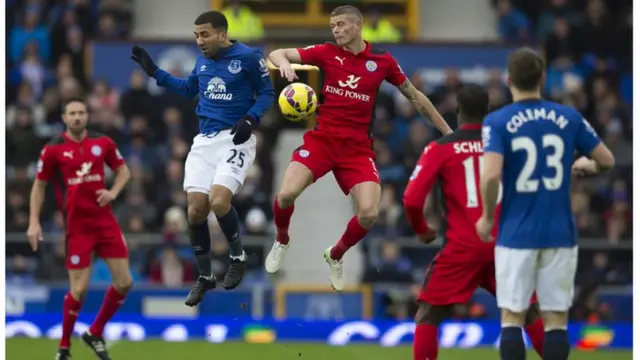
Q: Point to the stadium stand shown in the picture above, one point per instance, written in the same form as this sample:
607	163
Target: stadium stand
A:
587	68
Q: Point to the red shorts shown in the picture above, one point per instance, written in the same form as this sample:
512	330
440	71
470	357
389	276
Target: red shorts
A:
352	161
106	244
451	281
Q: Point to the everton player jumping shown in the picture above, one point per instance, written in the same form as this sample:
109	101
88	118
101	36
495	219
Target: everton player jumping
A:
465	263
232	81
341	142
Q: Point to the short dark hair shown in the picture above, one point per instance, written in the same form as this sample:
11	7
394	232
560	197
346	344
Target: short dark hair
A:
347	10
473	103
75	99
526	69
217	20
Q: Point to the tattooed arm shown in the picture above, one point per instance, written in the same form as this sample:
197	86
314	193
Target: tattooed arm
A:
424	106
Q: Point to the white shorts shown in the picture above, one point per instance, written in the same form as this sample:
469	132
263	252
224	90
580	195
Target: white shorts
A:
215	160
548	272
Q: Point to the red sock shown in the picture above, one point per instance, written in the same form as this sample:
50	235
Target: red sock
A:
282	218
354	233
70	309
536	335
112	301
425	342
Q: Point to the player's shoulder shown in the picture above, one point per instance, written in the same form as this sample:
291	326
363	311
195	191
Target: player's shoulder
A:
569	112
55	141
459	135
98	136
244	50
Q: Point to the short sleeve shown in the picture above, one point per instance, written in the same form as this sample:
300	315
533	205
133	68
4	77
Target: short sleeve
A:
492	137
313	55
112	157
395	75
587	138
46	164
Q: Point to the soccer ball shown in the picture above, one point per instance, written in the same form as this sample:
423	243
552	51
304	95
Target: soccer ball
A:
297	102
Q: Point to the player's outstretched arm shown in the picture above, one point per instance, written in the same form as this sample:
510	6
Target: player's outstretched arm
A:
424	106
282	59
185	87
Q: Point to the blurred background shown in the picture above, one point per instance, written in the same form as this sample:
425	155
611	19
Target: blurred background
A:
58	49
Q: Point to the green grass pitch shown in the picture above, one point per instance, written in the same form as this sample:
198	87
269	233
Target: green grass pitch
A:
35	349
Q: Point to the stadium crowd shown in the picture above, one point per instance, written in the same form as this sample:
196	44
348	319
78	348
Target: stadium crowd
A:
587	68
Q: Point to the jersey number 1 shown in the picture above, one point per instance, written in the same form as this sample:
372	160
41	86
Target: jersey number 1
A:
473	199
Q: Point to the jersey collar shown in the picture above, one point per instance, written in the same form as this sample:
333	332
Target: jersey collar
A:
366	51
223	51
66	137
470	127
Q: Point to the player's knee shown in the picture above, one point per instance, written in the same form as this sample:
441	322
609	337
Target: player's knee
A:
286	197
219	206
197	214
123	285
554	320
432	315
78	291
367	216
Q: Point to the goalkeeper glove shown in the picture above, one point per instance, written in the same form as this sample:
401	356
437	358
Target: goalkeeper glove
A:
141	56
241	131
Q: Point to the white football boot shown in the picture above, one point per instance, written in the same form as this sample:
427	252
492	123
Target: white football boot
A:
274	260
336	277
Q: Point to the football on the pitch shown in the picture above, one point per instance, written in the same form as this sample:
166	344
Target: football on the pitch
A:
297	102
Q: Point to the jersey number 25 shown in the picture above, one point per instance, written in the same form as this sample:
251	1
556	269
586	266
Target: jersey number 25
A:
524	183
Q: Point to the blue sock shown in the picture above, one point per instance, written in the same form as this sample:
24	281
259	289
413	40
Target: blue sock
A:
201	244
556	345
230	226
512	344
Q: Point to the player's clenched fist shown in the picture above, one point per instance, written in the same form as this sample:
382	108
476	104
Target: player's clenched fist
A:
142	57
584	166
105	197
34	235
427	237
483	227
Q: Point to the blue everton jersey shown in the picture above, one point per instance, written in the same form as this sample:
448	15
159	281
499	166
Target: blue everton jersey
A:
538	140
230	85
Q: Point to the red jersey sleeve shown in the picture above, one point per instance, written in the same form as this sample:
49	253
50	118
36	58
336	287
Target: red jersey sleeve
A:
46	164
421	183
112	157
313	55
395	75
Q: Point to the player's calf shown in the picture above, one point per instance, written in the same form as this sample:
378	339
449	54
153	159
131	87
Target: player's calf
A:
198	210
296	179
556	339
512	346
220	202
425	339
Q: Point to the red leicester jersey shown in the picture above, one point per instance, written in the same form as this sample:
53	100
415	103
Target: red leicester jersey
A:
351	83
77	169
455	160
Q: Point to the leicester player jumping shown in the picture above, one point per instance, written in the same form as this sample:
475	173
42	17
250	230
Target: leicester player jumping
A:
530	146
341	142
75	162
235	90
465	263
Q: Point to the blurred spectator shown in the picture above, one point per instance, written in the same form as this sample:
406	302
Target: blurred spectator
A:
244	24
391	268
171	271
548	19
377	29
30	32
513	24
